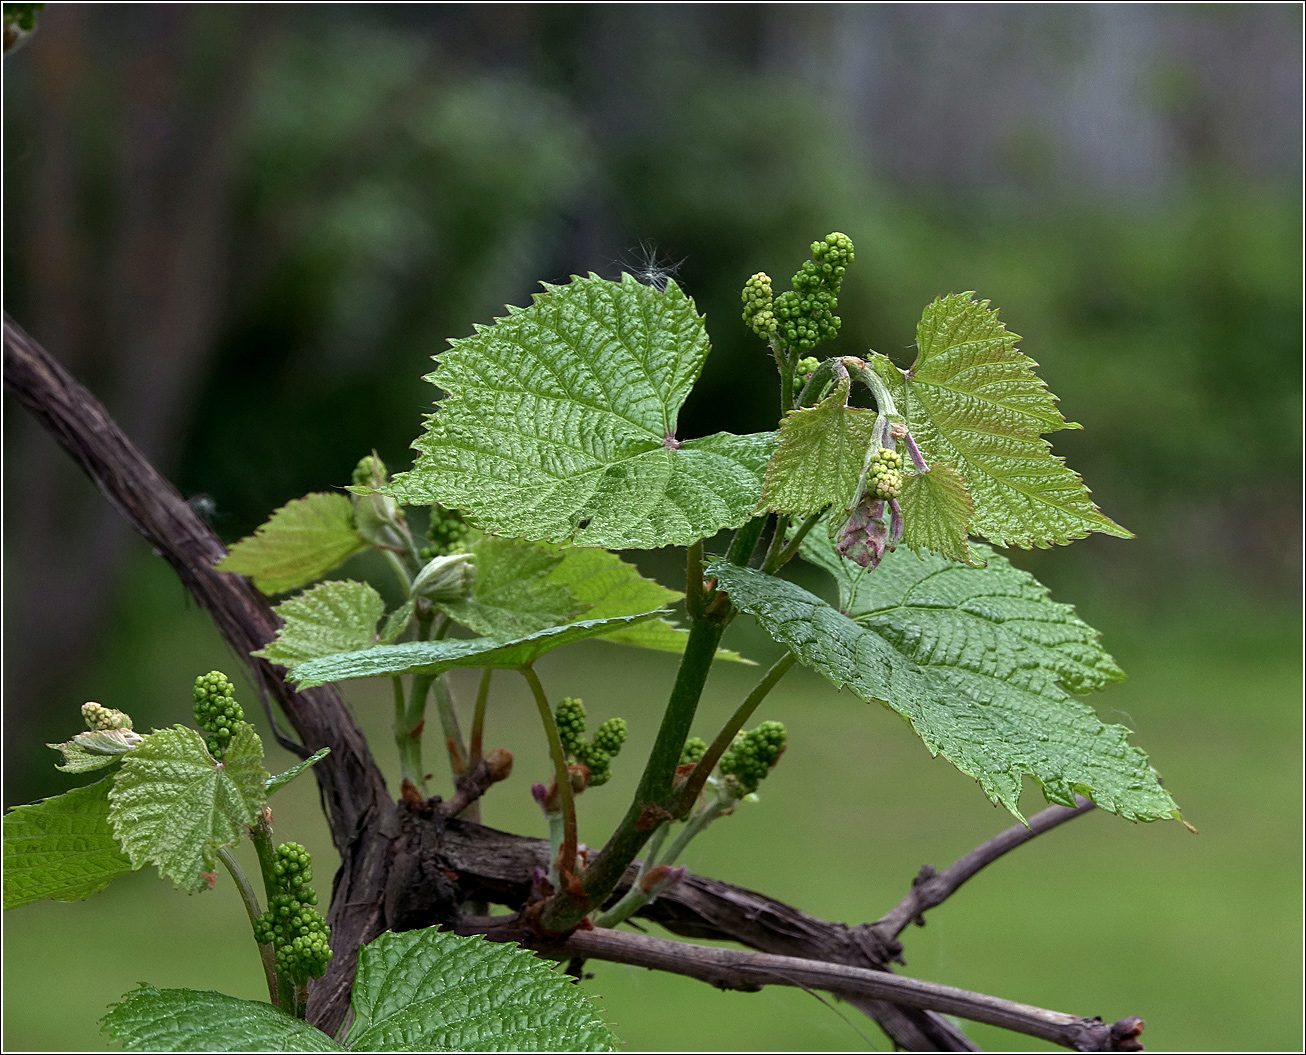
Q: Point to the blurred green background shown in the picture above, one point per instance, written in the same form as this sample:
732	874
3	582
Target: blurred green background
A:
247	229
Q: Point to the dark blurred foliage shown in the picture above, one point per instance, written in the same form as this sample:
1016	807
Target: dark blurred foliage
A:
248	229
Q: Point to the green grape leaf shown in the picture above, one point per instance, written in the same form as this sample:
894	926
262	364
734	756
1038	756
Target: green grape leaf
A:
302	541
149	1019
435	657
61	848
512	593
977	660
172	805
820	456
276	783
337	616
559	425
95	749
429	990
608	586
397	622
936	513
972	400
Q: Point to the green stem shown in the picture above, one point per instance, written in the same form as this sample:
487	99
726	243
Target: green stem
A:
694	596
400	569
654	794
453	734
567	858
774	564
635	898
866	373
726	736
777	541
266	953
695	825
410	747
821	377
260	834
477	749
745	540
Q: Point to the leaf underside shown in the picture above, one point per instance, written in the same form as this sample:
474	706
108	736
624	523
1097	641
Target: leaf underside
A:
337	616
428	990
559	425
972	400
513	593
173	806
61	848
977	660
149	1019
301	541
435	657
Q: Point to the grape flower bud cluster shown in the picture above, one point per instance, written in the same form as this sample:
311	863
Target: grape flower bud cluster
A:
805	315
448	533
103	719
758	304
752	755
595	754
884	473
216	710
298	933
693	751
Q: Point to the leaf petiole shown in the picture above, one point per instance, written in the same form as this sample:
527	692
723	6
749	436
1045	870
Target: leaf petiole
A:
250	899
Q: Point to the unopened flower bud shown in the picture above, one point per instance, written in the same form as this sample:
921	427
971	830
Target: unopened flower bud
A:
661	878
102	718
447	578
499	762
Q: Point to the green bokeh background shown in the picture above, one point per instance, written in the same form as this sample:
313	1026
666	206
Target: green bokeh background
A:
399	174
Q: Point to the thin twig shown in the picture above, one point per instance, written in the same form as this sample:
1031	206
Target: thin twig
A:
750	971
932	888
250	899
491	769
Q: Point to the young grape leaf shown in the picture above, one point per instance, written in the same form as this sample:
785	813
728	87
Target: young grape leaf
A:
972	400
172	805
95	749
276	783
560	425
149	1019
302	541
936	513
429	990
608	586
61	848
820	456
512	593
337	616
397	622
975	659
435	657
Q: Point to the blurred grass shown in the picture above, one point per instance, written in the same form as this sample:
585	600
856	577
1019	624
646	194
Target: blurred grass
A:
1200	935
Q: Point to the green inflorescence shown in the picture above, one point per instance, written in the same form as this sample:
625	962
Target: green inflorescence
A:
693	751
298	933
805	316
752	755
758	303
597	753
105	719
370	472
216	710
807	365
884	474
448	533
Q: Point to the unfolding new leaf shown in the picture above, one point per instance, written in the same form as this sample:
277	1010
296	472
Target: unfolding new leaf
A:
560	425
149	1019
173	805
338	616
513	593
820	456
61	848
280	780
434	657
429	990
972	400
975	659
936	513
302	541
95	749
